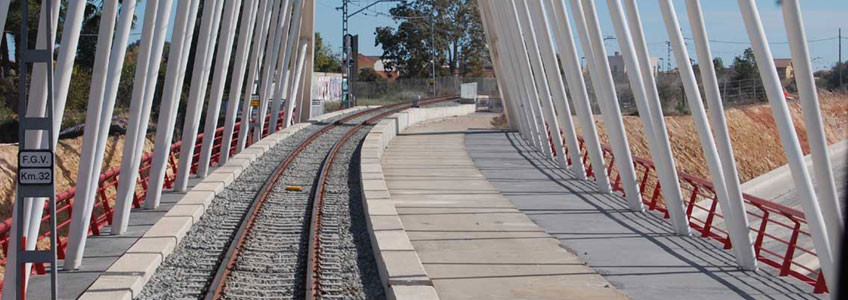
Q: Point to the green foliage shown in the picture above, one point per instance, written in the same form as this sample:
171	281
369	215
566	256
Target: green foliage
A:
744	72
325	59
369	75
450	28
832	79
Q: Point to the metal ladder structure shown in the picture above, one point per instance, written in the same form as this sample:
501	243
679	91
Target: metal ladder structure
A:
35	158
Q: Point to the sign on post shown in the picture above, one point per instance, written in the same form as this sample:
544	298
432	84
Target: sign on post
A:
35	167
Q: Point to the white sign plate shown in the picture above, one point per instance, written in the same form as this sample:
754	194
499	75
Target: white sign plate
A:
35	159
35	176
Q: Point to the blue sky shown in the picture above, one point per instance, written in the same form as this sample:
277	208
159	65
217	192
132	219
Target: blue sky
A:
723	20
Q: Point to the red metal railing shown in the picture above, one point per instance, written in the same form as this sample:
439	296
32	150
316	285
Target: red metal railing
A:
770	222
107	191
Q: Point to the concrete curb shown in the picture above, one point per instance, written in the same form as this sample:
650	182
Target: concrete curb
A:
401	272
128	275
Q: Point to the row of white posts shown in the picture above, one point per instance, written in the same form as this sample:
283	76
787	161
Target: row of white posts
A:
281	32
529	36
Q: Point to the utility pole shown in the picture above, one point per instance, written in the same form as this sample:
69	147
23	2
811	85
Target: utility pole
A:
347	71
668	56
433	51
841	67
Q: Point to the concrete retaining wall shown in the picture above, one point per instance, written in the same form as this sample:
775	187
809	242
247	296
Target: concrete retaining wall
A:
128	275
401	272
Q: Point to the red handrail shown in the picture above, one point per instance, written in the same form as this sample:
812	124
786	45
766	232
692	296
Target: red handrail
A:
107	191
765	218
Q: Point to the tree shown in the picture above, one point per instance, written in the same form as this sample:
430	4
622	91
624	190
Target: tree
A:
744	74
457	39
325	59
368	75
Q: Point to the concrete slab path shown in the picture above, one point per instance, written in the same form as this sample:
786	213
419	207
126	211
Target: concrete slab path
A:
635	251
473	242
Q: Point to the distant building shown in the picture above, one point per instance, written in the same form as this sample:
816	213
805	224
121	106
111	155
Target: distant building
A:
785	69
377	64
618	68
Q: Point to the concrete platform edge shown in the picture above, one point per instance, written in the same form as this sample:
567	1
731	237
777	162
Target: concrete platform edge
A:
401	272
128	275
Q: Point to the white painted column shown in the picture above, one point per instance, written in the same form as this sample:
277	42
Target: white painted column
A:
97	123
719	125
282	70
246	33
299	71
157	15
651	120
505	83
560	98
521	63
588	29
542	82
289	93
789	140
259	41
826	187
738	229
222	65
177	60
272	51
204	52
579	95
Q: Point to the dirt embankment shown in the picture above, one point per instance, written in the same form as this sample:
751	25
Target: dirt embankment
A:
756	144
67	165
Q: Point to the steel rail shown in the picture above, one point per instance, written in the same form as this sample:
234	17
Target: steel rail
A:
218	284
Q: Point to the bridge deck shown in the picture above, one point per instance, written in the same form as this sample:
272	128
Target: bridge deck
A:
468	232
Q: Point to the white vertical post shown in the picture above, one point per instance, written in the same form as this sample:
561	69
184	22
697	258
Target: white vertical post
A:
222	65
542	82
307	35
521	63
560	98
651	122
97	121
281	70
199	79
789	139
593	47
511	75
826	192
579	95
738	230
299	71
505	86
246	33
272	49
259	40
722	134
177	60
157	15
289	74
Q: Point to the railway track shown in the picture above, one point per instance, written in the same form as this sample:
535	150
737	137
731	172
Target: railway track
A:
282	242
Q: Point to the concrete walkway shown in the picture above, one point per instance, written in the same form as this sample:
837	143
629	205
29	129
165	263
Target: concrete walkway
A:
636	252
473	242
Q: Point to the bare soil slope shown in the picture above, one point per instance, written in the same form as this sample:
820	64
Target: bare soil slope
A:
754	136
